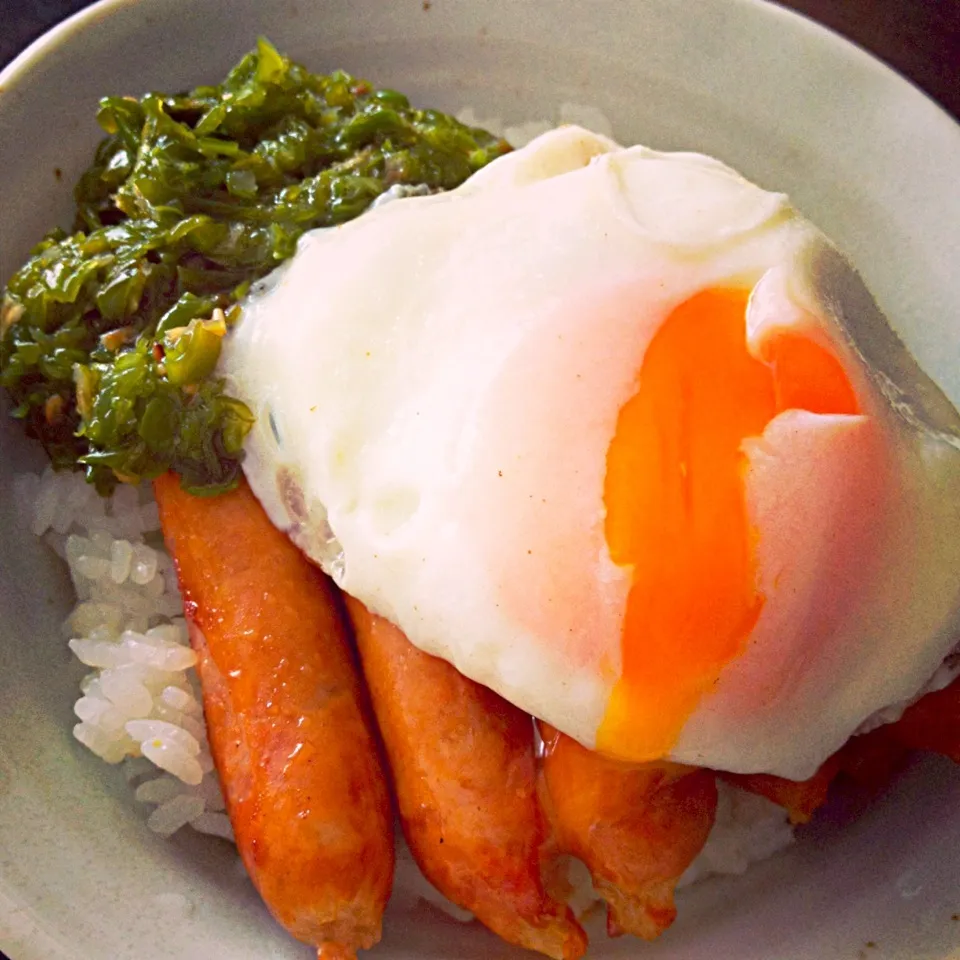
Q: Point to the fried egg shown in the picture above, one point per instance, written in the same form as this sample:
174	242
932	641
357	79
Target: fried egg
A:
622	436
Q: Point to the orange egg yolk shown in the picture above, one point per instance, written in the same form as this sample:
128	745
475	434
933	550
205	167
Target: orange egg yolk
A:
676	508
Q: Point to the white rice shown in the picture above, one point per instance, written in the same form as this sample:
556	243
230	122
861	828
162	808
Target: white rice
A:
140	703
749	828
521	134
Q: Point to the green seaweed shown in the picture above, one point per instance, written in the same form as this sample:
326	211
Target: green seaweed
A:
110	334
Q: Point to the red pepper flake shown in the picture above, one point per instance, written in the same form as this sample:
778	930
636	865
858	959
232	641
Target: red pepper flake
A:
158	353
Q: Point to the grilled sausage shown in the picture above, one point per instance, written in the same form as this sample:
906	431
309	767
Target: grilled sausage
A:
637	828
464	774
304	786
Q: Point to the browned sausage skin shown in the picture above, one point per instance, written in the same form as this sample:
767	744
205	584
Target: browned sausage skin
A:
464	774
637	828
304	786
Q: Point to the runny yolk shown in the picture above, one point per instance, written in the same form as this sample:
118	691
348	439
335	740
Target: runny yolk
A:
676	507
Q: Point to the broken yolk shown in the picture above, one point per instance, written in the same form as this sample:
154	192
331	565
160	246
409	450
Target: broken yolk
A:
676	507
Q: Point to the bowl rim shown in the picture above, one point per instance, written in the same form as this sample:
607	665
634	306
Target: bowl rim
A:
21	925
18	68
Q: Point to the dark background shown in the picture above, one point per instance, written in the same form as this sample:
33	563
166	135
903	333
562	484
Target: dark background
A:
919	38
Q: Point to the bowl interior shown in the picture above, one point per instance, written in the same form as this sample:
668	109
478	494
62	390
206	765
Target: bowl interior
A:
791	106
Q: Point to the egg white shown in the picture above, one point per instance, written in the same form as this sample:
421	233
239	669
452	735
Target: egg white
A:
437	384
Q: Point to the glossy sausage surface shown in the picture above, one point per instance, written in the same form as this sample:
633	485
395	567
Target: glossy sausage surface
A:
464	774
304	785
637	828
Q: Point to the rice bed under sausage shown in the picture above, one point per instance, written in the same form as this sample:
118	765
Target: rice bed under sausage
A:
140	703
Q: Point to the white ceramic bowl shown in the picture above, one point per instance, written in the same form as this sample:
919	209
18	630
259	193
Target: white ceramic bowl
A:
864	155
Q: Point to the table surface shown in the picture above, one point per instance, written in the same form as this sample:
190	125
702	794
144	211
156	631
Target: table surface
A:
919	38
